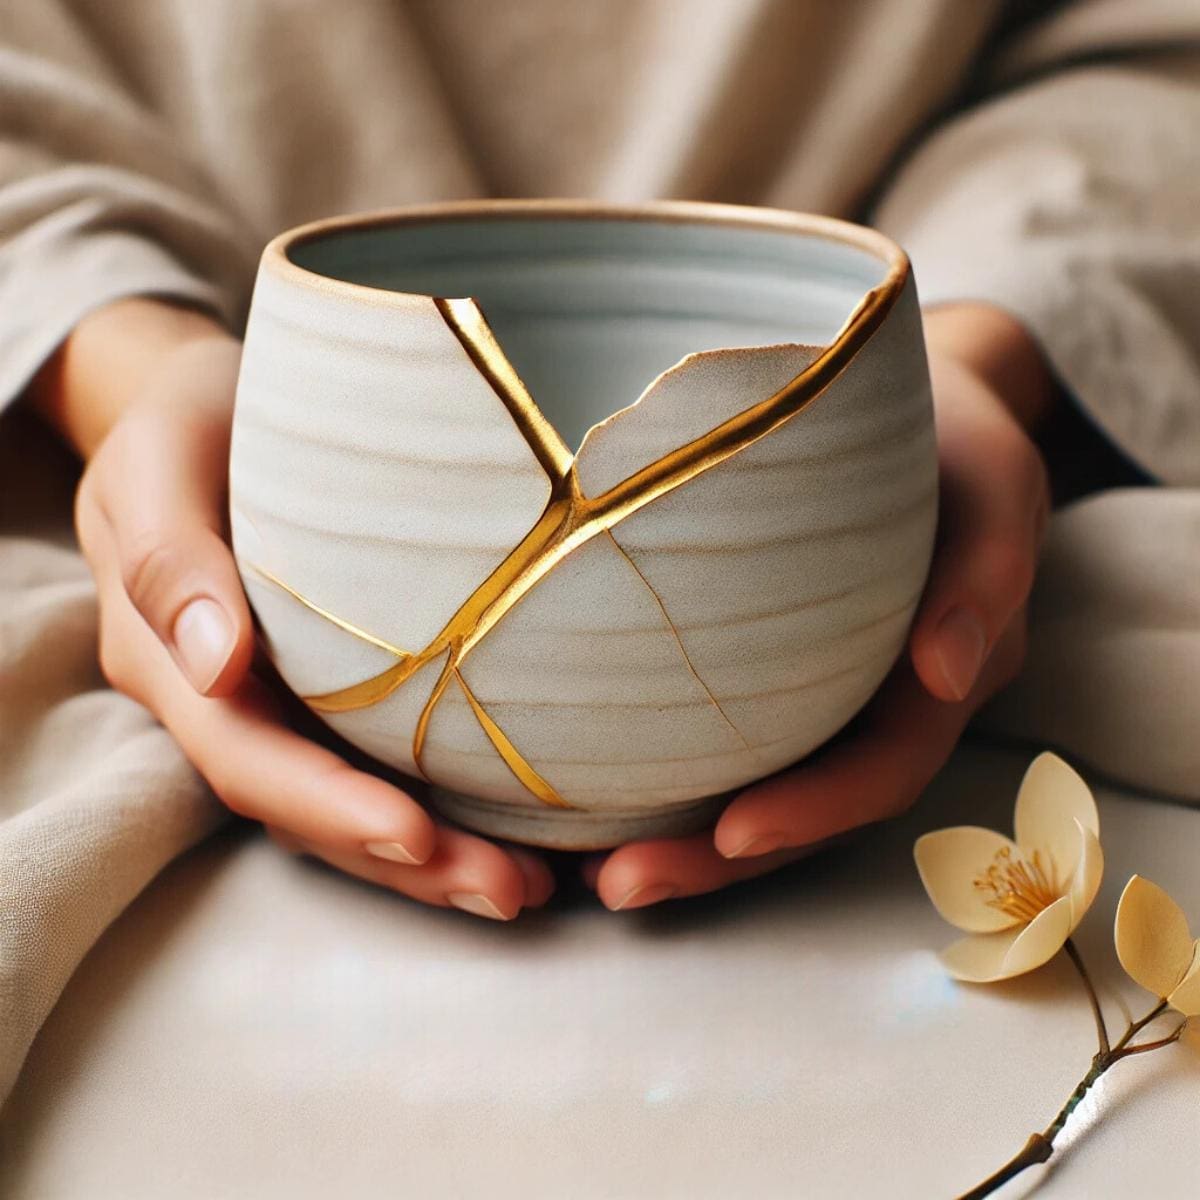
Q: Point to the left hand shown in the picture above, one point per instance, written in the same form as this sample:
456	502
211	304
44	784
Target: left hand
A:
991	387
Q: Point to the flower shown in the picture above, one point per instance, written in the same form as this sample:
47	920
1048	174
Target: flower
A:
1019	901
1155	947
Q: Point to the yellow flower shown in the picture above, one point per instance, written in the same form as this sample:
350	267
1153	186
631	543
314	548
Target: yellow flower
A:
1021	900
1155	947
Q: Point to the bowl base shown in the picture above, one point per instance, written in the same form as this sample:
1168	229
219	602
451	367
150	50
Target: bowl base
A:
572	829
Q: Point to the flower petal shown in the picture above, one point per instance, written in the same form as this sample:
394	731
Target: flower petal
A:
990	957
1186	997
949	861
1051	799
1089	869
979	958
1152	937
1041	939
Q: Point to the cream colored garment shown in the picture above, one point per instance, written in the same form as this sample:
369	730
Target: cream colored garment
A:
152	146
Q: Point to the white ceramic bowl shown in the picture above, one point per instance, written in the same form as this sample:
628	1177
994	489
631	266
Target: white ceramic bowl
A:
585	619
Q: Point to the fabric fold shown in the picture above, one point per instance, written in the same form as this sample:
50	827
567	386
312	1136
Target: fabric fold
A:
1085	231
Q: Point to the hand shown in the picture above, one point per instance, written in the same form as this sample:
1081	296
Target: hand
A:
145	391
990	389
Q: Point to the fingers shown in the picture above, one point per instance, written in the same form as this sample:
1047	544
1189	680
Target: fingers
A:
539	879
257	766
874	773
994	506
315	802
464	872
264	771
311	800
158	484
645	873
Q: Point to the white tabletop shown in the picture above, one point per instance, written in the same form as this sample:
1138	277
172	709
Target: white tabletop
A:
256	1026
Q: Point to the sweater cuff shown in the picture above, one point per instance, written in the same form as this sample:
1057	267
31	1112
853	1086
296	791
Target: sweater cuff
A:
45	291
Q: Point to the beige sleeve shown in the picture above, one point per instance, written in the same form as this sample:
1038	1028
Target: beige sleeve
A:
98	199
1071	198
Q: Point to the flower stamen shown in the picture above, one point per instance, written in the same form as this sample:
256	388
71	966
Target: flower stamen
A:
1020	887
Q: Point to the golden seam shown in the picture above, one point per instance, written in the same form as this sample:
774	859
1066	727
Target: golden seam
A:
678	640
443	680
467	322
570	518
362	694
361	634
329	702
513	759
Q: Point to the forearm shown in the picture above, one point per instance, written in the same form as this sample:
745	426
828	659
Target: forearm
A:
108	360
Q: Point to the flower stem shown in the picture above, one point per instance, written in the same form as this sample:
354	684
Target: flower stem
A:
1100	1064
1138	1026
1142	1047
1040	1146
1101	1029
1036	1150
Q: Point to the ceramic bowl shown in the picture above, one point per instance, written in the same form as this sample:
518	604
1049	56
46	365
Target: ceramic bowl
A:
643	520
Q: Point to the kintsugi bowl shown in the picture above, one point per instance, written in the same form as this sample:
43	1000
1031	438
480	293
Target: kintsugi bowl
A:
645	519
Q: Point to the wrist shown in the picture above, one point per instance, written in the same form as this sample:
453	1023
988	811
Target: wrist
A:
998	349
112	358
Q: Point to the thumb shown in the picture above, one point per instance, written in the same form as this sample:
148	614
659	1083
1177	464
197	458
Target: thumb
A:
160	483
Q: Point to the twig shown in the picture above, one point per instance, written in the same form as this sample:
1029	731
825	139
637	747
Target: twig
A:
1101	1029
1138	1026
1040	1146
1142	1047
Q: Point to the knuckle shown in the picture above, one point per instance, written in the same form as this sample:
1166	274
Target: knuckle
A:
233	797
1006	567
149	569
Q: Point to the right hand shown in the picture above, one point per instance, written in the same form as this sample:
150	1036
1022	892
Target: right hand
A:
175	628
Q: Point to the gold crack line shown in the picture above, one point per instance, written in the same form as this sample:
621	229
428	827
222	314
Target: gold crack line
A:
678	640
513	759
448	671
511	756
466	321
570	518
362	634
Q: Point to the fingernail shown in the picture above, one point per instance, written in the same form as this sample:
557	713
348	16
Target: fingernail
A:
644	894
393	851
204	641
759	844
476	903
960	642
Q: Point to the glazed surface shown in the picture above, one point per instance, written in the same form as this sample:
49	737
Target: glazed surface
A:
462	597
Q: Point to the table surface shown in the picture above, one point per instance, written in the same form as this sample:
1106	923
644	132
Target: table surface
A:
259	1026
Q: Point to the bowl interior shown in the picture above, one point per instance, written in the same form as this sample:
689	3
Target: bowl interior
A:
591	311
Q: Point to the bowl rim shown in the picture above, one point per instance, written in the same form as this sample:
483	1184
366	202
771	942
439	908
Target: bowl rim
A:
276	255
